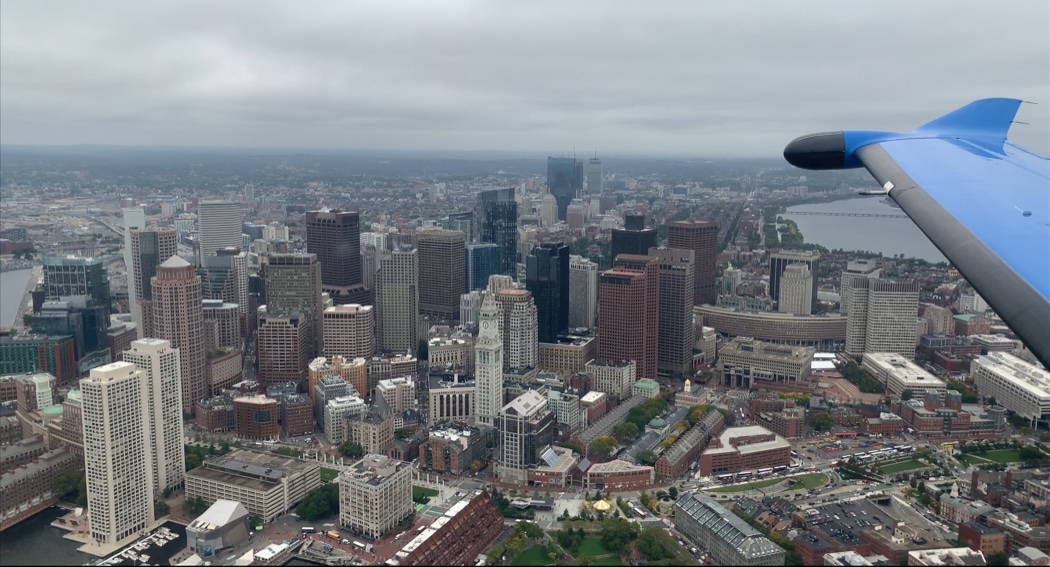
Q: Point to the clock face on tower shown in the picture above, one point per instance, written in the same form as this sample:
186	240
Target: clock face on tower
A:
485	325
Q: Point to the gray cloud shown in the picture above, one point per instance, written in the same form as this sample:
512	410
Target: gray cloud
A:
672	77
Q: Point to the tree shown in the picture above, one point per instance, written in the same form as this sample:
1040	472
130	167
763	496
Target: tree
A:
820	421
475	466
320	502
625	432
195	506
673	491
160	509
921	488
647	458
603	446
907	395
351	450
998	559
617	533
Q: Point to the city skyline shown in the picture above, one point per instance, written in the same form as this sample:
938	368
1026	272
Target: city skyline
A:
694	84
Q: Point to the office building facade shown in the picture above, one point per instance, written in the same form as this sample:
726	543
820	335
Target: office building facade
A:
526	427
293	285
496	219
633	238
628	312
220	226
149	248
675	321
564	181
283	343
702	238
583	292
481	260
335	236
397	300
882	317
178	317
160	366
547	278
780	260
441	272
797	286
349	331
519	328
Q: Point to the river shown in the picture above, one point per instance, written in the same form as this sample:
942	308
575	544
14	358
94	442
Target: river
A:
890	236
12	293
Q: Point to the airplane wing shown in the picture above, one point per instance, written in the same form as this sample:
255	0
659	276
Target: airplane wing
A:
983	201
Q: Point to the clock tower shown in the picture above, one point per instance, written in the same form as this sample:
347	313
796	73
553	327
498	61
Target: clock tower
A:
488	364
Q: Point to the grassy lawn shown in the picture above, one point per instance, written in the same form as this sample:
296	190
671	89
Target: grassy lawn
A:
614	560
808	480
592	547
533	556
974	460
418	491
1003	455
901	466
328	475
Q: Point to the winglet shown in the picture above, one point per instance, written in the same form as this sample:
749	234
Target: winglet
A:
988	118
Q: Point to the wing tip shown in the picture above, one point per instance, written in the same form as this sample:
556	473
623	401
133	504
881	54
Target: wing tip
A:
984	118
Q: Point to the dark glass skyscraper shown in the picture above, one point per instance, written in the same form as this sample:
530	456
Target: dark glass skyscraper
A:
497	222
633	238
335	236
463	222
83	283
565	180
547	277
481	260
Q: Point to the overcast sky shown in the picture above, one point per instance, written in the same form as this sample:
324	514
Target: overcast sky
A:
694	78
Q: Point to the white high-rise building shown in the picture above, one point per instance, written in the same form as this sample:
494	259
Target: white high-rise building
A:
470	307
159	364
882	316
855	269
730	280
1019	386
972	302
119	468
349	331
583	292
133	218
520	328
488	364
796	290
397	300
548	210
219	223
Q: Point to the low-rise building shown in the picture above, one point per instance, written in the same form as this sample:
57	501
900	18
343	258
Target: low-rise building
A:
30	486
451	398
646	387
748	363
399	393
980	537
744	448
619	476
372	430
568	355
727	538
886	424
375	494
614	377
462	533
297	415
1018	386
555	469
593	406
899	374
222	526
942	557
215	414
268	485
451	448
256	417
336	414
682	453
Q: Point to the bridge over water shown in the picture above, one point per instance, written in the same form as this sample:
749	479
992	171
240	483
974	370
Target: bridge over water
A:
814	213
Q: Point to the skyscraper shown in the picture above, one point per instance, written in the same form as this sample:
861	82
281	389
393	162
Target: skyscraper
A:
349	331
633	238
583	292
882	317
526	426
219	223
628	312
117	452
547	278
520	338
441	272
463	222
83	283
594	176
855	269
488	364
796	290
480	261
178	317
335	236
133	218
548	211
397	300
282	340
676	330
227	278
496	220
780	259
160	368
702	238
149	247
293	285
564	181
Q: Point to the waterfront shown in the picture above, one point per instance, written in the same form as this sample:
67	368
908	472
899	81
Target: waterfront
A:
889	236
12	294
36	542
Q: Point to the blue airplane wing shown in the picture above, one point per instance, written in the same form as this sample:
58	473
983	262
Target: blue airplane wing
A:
983	201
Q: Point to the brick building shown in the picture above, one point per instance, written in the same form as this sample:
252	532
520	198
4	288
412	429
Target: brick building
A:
215	414
619	476
980	537
462	533
255	417
297	415
682	453
744	448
